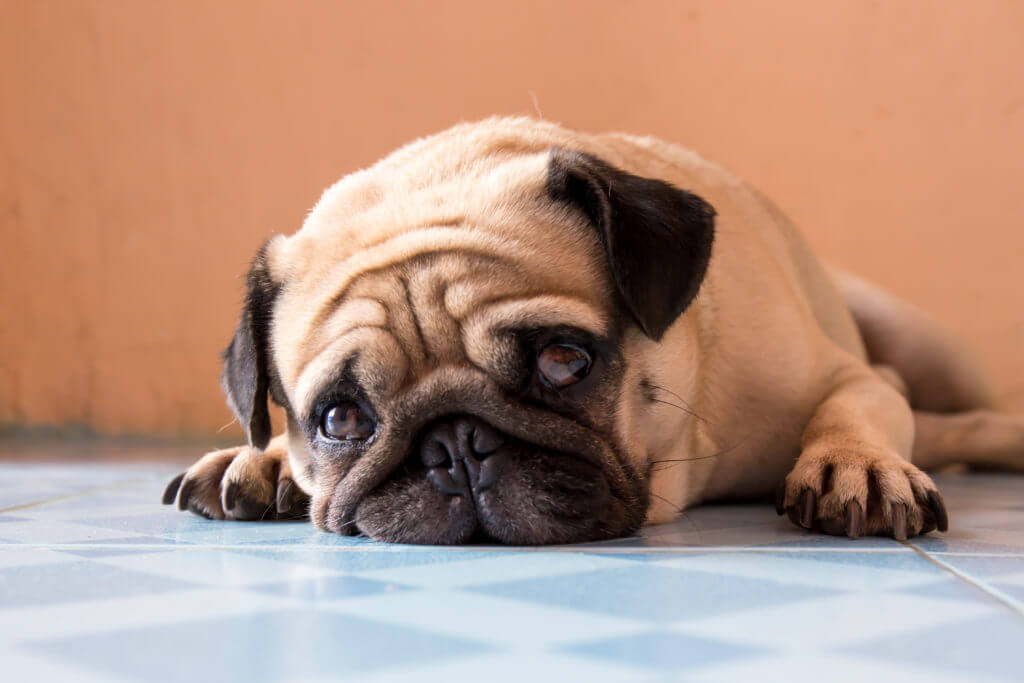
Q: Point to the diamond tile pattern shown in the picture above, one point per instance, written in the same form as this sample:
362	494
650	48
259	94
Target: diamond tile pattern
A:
99	582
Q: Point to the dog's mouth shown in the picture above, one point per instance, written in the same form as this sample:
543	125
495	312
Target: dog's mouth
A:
465	481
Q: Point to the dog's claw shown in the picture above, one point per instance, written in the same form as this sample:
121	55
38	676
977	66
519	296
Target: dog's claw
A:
230	494
854	519
809	506
780	499
291	501
185	494
242	506
171	492
899	522
805	510
938	508
249	509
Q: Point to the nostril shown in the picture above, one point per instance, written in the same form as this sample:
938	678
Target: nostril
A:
433	453
486	440
450	483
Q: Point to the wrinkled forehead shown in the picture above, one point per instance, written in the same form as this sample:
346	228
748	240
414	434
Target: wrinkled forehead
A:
396	287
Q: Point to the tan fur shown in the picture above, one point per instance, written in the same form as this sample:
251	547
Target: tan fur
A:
256	474
416	261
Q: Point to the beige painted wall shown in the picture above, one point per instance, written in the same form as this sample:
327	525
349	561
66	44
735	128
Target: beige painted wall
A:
147	148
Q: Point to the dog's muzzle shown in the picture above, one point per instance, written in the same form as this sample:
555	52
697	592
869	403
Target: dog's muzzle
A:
463	455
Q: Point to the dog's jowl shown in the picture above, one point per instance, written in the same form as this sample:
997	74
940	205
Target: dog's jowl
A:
514	332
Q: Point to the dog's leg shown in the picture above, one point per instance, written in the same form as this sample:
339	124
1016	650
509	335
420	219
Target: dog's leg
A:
983	438
854	474
979	437
939	373
241	483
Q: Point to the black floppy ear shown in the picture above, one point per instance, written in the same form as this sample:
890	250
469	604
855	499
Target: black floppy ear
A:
246	375
656	236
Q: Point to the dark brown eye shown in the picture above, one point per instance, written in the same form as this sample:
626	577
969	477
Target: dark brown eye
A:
561	365
346	422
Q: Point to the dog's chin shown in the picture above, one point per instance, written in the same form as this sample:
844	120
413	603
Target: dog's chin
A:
540	498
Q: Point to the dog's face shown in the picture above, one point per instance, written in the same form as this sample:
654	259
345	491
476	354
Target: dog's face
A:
449	339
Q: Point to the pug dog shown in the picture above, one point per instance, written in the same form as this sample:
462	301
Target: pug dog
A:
518	333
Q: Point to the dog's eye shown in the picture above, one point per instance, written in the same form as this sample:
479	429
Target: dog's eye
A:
346	421
561	365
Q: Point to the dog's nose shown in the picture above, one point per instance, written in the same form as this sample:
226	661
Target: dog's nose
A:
462	455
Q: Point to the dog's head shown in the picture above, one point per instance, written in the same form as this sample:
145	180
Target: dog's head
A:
448	335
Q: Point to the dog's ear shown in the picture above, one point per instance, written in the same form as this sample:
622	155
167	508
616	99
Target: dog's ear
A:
246	376
657	237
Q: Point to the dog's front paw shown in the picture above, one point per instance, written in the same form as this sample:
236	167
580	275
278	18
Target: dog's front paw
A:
849	493
240	483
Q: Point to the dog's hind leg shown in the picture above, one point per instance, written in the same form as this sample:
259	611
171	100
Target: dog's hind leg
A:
981	438
241	483
944	382
940	373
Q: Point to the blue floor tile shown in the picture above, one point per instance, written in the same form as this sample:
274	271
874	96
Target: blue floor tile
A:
76	581
271	646
100	581
666	651
324	588
655	593
981	648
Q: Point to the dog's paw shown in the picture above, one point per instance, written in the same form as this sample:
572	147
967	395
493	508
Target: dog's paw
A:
239	483
852	494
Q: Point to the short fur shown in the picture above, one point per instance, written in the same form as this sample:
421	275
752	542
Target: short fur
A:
728	359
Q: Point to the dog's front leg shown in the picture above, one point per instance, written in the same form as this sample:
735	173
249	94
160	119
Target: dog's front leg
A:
241	483
854	475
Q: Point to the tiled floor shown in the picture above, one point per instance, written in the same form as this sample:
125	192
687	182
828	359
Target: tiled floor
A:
98	581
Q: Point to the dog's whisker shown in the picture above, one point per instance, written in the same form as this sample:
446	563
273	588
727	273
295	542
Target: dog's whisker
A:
679	511
702	457
679	407
348	523
668	502
686	407
699	457
670	392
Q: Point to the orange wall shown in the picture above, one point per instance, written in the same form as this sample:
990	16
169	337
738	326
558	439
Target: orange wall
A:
147	148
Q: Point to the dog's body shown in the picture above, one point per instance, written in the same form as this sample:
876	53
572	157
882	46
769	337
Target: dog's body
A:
405	327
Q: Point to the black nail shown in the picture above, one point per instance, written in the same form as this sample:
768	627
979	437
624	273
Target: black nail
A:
938	508
794	514
230	493
780	499
185	493
809	505
249	509
171	492
899	522
854	519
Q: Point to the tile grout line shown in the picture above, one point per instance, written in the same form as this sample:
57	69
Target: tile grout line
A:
963	553
69	496
997	595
